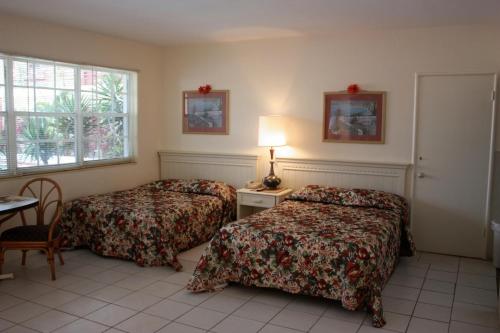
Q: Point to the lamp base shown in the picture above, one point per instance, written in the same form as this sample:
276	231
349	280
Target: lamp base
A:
271	182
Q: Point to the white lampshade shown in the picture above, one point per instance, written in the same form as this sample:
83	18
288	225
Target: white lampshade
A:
272	131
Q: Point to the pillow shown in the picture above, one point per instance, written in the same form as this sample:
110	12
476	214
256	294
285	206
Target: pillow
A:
350	197
223	191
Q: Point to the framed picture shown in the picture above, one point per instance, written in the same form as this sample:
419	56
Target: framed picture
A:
205	113
354	118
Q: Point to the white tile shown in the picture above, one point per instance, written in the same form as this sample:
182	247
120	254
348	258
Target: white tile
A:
476	266
82	306
135	282
336	311
19	329
408	262
435	298
160	273
439	286
475	314
477	281
277	329
180	278
42	274
458	327
476	296
87	271
109	276
110	293
434	258
82	326
104	262
128	267
223	303
65	280
111	315
418	325
245	293
138	301
188	297
161	289
257	311
233	324
23	312
7	285
445	267
180	328
142	323
398	305
169	309
394	321
274	298
7	301
406	280
371	329
312	305
4	324
202	318
401	292
84	287
433	312
296	320
411	271
329	325
30	290
442	276
56	298
49	321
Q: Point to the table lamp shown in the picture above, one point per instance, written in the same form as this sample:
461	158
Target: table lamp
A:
271	134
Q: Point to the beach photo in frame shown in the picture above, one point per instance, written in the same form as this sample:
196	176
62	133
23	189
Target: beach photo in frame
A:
205	113
354	117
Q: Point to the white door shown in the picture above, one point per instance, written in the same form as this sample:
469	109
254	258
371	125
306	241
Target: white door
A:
453	149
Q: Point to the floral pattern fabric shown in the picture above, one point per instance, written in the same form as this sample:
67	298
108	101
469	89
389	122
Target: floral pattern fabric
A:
149	224
341	244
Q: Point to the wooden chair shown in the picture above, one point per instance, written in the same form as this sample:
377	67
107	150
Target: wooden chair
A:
40	236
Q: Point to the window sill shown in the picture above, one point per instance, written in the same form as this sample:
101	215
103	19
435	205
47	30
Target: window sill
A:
58	169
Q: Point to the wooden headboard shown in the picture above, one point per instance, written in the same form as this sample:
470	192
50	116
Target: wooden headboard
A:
234	169
389	177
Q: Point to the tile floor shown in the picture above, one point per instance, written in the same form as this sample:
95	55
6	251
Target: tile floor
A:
427	294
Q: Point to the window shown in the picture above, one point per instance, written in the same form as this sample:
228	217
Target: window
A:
57	115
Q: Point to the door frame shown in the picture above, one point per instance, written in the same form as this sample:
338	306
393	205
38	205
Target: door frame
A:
414	148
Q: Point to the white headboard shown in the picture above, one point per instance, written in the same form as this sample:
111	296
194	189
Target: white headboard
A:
234	169
389	177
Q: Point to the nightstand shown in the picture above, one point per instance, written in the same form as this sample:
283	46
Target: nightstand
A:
251	201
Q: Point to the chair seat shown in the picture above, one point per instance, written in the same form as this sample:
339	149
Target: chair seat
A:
28	233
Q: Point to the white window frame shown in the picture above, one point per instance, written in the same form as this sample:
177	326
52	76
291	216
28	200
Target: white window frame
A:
130	119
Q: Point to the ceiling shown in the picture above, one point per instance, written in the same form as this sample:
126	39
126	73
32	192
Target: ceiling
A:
167	22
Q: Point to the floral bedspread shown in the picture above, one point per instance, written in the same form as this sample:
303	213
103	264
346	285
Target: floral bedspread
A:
341	244
149	224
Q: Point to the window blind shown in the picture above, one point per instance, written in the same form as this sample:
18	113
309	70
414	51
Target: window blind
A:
58	115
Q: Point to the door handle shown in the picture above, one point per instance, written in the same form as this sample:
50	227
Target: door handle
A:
420	175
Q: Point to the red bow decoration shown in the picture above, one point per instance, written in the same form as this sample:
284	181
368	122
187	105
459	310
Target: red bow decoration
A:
205	89
353	89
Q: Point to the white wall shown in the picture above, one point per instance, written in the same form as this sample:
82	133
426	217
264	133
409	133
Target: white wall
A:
34	38
289	76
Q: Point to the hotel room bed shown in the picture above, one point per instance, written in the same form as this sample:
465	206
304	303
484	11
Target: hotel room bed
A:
149	224
341	244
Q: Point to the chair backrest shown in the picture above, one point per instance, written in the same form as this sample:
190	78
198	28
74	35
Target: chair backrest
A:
49	197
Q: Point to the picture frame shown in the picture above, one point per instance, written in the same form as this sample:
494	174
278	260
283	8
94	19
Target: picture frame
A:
205	113
354	117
